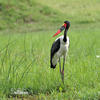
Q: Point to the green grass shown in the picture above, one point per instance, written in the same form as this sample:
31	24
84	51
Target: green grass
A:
25	64
15	13
25	42
18	13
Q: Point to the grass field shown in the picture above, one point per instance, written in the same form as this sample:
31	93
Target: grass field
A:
25	42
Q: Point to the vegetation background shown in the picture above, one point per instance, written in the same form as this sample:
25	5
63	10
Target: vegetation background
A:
26	28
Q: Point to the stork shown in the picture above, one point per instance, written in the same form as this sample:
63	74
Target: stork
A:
60	48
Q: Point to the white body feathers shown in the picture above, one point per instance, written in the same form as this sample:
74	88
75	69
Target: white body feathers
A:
62	50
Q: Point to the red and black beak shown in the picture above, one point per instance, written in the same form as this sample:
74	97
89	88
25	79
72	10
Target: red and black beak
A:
60	30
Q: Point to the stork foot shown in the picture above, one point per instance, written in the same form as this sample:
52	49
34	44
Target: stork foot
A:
62	72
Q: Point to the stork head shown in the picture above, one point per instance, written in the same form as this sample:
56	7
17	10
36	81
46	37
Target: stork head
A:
66	25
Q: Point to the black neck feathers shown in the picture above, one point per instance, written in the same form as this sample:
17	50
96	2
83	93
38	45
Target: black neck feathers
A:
65	35
66	29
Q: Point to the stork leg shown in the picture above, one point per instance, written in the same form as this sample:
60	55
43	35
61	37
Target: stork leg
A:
60	68
63	70
59	65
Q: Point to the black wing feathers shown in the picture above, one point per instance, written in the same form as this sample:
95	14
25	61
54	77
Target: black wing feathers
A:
55	47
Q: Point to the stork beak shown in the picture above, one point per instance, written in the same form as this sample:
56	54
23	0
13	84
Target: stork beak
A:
60	30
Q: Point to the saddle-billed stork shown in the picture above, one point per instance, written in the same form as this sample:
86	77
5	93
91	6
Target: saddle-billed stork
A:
60	48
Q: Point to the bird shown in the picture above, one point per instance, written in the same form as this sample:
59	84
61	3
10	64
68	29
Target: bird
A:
60	48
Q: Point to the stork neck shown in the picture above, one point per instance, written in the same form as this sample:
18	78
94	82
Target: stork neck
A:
65	35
